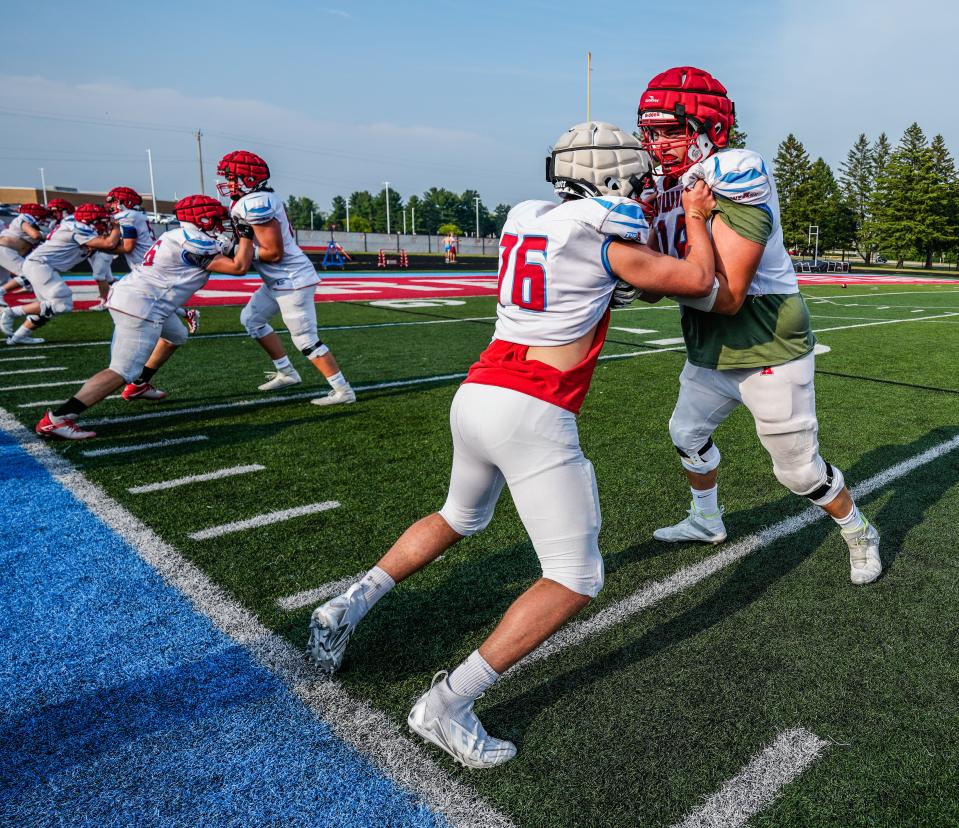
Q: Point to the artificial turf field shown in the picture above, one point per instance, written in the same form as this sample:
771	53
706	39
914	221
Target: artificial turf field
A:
640	722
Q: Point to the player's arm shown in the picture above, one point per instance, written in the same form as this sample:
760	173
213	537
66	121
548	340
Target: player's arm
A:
660	274
740	241
32	231
128	239
236	265
269	241
108	242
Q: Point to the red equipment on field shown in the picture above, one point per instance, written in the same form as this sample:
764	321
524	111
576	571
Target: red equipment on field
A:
385	259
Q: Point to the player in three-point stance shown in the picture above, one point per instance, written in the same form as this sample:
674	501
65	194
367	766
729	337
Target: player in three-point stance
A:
17	240
751	342
76	237
514	419
143	306
289	278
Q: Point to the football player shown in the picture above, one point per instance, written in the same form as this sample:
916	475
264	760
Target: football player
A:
144	304
514	418
17	240
750	342
136	237
76	237
289	278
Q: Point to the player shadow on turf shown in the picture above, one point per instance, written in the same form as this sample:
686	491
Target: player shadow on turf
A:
906	501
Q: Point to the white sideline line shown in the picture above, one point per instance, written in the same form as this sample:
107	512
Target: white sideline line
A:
317	594
355	722
687	577
38	403
195	478
759	782
41	385
263	520
675	340
171	441
32	371
21	359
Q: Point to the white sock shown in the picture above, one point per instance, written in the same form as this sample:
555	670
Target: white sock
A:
375	584
706	500
851	522
18	311
22	332
338	381
473	677
282	363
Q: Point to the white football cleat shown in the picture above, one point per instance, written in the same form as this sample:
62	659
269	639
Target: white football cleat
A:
280	379
192	317
142	391
7	324
100	306
332	626
697	526
26	339
61	428
336	397
448	721
865	565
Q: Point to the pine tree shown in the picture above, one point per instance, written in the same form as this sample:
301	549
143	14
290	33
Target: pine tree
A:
880	153
858	178
737	138
946	194
791	170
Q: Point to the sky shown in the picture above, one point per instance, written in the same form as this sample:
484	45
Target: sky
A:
344	96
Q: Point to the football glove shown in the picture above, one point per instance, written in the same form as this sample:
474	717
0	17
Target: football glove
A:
226	244
624	294
242	229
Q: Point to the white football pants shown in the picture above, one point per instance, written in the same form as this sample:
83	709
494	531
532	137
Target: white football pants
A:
134	340
53	294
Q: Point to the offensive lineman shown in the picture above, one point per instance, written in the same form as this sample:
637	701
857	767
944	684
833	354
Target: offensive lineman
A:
289	278
144	304
751	343
514	419
17	240
74	239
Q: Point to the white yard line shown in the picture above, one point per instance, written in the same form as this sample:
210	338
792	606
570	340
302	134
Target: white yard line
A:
263	520
687	577
41	385
637	331
759	783
675	340
171	441
39	403
885	322
233	471
32	371
317	594
21	359
367	730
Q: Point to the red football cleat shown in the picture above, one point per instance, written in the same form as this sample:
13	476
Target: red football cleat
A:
143	391
64	429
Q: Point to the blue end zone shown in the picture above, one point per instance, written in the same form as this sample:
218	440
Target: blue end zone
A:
123	706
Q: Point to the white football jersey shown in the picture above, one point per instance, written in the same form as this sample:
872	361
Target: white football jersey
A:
134	225
739	175
294	270
555	282
66	245
15	229
173	269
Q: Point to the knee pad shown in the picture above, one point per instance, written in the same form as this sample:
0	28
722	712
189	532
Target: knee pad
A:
576	563
37	321
465	521
816	479
314	351
302	331
174	336
255	327
700	461
49	309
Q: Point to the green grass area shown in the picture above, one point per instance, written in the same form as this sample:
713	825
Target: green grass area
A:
639	723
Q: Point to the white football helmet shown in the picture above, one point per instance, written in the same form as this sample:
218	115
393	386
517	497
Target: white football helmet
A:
597	158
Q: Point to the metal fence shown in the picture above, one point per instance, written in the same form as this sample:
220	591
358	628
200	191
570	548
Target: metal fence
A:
374	242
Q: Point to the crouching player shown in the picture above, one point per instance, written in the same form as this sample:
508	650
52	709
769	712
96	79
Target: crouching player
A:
75	238
289	278
143	305
17	240
514	418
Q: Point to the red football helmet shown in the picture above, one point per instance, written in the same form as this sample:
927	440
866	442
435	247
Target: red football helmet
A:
60	207
96	215
202	211
245	172
120	198
37	211
684	109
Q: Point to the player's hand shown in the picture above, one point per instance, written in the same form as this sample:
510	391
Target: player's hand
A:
698	201
242	229
624	294
226	244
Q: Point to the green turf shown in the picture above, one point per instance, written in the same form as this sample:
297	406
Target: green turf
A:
640	723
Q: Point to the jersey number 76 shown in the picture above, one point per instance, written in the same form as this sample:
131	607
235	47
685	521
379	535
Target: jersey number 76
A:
522	271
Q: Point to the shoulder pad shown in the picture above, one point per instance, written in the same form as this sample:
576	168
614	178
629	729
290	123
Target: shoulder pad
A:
82	233
611	216
737	174
255	208
198	244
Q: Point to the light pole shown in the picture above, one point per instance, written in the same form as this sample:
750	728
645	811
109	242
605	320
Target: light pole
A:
347	217
814	234
413	211
476	202
43	185
404	221
387	185
153	186
311	219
